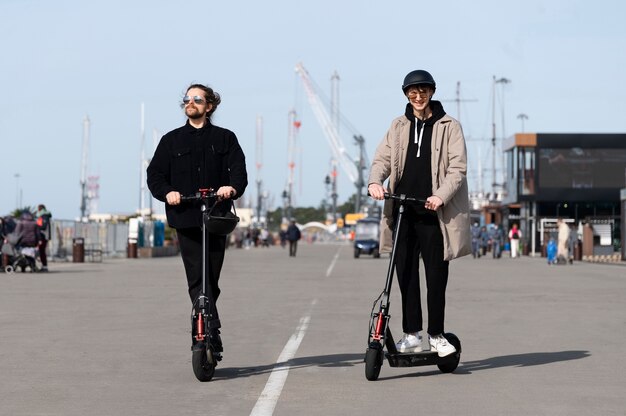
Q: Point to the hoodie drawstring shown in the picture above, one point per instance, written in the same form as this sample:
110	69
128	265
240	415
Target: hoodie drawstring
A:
418	138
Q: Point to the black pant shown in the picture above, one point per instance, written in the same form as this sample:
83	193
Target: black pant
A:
190	240
293	247
42	252
421	235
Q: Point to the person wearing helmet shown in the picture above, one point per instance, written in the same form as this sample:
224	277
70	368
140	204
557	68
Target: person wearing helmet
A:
423	155
195	156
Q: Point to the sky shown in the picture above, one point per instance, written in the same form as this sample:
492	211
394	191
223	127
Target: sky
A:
62	61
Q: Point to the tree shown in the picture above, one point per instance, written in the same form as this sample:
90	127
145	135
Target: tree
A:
348	206
18	211
308	214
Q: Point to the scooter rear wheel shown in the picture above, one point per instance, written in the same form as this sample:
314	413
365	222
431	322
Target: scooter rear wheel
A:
203	362
373	360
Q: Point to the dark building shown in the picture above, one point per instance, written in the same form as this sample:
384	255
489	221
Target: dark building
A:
573	176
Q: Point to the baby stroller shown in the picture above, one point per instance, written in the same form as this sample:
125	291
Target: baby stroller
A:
18	257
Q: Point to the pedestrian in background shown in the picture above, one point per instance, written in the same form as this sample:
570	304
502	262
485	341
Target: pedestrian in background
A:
514	236
45	233
26	230
497	240
563	241
293	235
484	240
573	239
475	240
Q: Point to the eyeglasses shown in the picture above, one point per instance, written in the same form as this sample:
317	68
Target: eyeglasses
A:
196	99
414	92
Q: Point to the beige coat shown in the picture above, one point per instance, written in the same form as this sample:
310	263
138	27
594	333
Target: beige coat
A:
449	167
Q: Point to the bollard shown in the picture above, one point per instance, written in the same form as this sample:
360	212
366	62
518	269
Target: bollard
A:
132	248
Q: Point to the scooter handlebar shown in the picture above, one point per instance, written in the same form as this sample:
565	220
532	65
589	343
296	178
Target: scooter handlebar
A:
402	197
200	195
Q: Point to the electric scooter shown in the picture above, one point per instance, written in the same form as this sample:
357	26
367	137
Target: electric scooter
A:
204	356
379	333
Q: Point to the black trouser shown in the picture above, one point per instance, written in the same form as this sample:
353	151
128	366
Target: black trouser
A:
293	247
190	240
421	235
42	252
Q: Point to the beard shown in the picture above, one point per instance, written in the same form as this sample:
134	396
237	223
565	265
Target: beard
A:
194	114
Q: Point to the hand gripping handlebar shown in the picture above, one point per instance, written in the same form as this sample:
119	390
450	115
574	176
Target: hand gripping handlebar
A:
402	198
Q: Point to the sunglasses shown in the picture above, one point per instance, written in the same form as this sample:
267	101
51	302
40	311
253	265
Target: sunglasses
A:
414	92
196	99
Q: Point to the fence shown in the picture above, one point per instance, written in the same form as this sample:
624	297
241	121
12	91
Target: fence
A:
105	239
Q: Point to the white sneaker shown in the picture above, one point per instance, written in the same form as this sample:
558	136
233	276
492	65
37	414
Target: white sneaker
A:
410	343
440	344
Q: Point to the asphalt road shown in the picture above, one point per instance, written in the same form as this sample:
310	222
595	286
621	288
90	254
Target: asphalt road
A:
113	339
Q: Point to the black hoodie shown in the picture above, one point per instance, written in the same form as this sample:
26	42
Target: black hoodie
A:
416	180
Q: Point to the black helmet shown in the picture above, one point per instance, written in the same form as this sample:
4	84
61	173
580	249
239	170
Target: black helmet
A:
418	77
222	225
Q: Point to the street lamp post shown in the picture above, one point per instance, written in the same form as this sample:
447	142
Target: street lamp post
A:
522	117
503	81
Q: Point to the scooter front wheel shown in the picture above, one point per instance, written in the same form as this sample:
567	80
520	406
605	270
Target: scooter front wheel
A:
373	360
203	362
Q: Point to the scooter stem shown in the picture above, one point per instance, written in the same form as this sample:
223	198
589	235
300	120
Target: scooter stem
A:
392	260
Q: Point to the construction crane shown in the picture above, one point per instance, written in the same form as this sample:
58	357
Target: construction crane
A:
351	167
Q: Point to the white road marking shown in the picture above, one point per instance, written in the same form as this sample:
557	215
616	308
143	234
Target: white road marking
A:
267	401
332	263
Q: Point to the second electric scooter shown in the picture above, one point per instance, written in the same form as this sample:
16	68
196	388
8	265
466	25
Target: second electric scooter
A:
204	356
380	334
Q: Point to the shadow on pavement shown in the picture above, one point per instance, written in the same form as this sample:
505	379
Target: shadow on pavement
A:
333	360
520	360
516	360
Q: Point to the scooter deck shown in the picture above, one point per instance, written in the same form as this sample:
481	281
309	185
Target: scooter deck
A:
414	359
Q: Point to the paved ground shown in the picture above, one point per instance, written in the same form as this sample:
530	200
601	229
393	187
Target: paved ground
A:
113	338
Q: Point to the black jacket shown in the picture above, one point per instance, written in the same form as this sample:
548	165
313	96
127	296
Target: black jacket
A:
188	159
293	233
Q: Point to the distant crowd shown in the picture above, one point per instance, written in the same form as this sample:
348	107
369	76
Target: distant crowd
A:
493	239
262	237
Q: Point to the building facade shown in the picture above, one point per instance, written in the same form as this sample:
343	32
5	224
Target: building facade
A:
577	177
